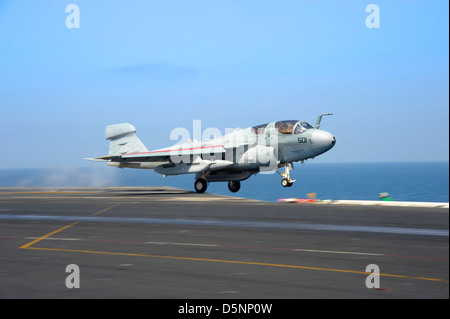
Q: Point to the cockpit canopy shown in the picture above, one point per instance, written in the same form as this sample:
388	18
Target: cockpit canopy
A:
285	127
259	129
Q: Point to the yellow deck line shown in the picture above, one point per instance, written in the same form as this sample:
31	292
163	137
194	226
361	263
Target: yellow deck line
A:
29	246
65	227
234	262
48	235
52	192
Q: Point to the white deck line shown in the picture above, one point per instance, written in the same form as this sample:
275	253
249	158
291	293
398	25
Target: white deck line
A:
369	203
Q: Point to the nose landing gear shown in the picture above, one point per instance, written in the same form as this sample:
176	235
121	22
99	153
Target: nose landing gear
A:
286	181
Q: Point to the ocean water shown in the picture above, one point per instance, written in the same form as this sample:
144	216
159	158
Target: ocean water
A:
408	181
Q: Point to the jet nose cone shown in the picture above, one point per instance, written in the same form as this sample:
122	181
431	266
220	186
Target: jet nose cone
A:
322	141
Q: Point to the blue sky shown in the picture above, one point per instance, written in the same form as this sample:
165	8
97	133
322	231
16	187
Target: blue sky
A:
162	64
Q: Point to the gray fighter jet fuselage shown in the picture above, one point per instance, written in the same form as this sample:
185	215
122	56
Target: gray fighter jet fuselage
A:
231	158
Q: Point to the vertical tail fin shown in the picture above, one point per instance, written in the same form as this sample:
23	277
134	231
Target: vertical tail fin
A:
123	139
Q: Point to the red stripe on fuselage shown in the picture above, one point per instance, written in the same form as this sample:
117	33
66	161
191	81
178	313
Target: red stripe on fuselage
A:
181	149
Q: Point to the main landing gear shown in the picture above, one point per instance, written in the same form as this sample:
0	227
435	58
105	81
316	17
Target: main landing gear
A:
201	184
286	181
234	186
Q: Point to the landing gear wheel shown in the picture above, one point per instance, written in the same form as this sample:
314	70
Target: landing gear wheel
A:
286	181
200	185
234	186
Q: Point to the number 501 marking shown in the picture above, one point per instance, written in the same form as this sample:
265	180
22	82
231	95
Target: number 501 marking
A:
302	140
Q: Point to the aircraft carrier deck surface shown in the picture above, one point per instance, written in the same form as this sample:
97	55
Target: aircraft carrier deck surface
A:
146	242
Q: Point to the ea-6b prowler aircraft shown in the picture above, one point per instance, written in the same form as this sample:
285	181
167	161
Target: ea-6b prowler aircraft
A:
231	158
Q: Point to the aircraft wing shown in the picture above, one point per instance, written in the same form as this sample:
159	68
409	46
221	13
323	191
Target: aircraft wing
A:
164	154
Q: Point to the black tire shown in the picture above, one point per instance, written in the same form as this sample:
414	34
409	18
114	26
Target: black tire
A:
285	182
200	185
234	186
290	184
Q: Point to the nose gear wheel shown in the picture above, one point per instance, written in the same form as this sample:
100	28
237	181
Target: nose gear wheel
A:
286	181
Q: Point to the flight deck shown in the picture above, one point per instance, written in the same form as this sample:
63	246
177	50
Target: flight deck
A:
165	243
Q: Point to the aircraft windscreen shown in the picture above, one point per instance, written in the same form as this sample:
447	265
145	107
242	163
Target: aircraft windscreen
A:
306	125
285	127
299	129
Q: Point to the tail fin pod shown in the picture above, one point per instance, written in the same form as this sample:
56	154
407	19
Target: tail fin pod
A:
123	139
